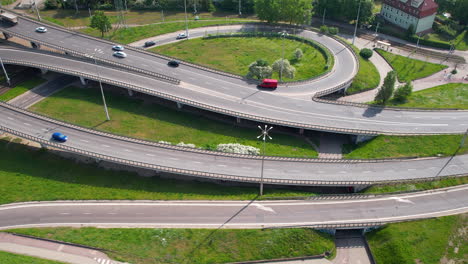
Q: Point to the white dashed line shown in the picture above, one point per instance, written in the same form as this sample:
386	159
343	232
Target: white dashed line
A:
174	158
10	118
127	150
84	140
64	213
27	124
44	129
411	169
106	146
197	162
151	155
111	213
221	165
87	213
367	171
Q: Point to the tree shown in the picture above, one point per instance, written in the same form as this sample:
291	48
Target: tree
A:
298	54
366	53
460	12
386	91
101	22
259	69
284	68
403	92
51	4
296	11
268	10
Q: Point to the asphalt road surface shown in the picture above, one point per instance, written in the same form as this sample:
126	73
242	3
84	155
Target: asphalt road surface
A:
242	168
232	214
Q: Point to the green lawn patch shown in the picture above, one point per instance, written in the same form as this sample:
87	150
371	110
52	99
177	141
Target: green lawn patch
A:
156	246
439	240
135	118
22	88
405	146
29	174
451	95
460	41
410	69
235	54
7	2
132	34
10	258
367	78
417	186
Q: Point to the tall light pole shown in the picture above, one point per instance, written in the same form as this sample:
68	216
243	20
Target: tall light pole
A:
417	42
357	21
186	22
264	136
377	28
100	84
283	34
323	18
37	11
4	70
240	7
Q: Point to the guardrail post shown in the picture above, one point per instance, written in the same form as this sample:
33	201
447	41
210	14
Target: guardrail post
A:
238	120
83	81
130	92
179	105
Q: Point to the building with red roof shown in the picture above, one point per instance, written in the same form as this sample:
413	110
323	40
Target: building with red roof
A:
404	13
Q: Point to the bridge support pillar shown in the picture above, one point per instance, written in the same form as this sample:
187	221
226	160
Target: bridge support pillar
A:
130	92
238	120
6	36
362	138
358	188
83	80
35	45
44	71
43	146
301	131
179	105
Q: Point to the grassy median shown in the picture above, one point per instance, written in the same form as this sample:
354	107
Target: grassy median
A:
439	240
367	78
146	120
157	246
235	54
10	258
410	69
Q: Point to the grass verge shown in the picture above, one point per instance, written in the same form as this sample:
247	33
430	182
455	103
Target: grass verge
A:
151	246
438	240
405	146
235	54
10	258
410	69
21	88
451	95
29	174
417	186
136	118
367	78
132	34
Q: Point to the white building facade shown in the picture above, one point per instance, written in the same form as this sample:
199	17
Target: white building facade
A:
404	13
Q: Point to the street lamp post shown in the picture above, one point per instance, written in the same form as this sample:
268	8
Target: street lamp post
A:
186	22
323	18
417	42
357	21
283	34
100	84
264	136
37	11
4	70
377	28
240	7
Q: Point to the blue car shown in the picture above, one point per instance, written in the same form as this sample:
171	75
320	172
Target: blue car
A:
59	137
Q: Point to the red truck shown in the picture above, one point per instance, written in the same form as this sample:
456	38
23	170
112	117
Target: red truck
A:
269	83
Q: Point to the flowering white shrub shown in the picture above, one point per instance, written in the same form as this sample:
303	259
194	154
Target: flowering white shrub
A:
164	142
182	144
238	149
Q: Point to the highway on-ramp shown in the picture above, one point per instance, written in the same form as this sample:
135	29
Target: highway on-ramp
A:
238	214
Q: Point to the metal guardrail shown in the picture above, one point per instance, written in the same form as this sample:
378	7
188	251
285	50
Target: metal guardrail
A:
201	174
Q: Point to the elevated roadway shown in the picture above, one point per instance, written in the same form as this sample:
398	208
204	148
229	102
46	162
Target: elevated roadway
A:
254	104
230	167
347	212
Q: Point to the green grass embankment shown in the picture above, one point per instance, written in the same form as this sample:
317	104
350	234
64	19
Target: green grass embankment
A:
367	78
431	241
21	88
10	258
158	246
235	54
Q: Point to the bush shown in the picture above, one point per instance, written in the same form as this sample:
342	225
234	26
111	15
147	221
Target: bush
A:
238	149
454	71
105	7
182	144
366	53
333	30
403	92
324	29
51	4
298	54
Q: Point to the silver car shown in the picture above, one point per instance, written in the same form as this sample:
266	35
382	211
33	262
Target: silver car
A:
41	29
120	54
117	48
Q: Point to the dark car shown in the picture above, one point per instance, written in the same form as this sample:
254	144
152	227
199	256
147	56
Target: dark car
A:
173	63
150	43
59	137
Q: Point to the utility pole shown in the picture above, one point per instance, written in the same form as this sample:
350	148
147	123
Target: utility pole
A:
417	42
89	10
4	70
186	22
357	21
283	34
195	7
323	18
100	83
240	7
377	28
264	136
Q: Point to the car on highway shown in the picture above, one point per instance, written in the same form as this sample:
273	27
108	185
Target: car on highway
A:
269	83
41	29
173	63
120	54
182	36
150	43
118	48
59	137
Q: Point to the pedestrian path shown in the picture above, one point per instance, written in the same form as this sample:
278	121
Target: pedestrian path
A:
331	146
350	248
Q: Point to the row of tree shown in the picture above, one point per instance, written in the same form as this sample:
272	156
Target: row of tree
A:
292	11
387	90
457	8
345	9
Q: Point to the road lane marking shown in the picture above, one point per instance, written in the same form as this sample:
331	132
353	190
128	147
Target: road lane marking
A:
174	158
197	162
84	140
87	213
151	155
127	150
10	118
106	146
27	124
64	213
221	165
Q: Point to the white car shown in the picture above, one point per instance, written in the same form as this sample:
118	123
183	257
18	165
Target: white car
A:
117	48
41	29
182	36
120	54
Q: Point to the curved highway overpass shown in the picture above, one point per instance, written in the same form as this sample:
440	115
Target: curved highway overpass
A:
341	213
254	104
207	164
